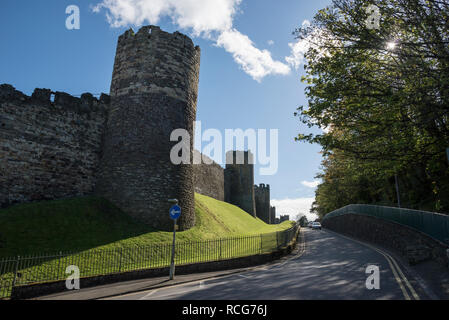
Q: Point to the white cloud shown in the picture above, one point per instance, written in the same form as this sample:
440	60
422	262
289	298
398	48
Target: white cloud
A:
298	49
202	16
293	207
257	63
270	42
310	184
210	19
317	38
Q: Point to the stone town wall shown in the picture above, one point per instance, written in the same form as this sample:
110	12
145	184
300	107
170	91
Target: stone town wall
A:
49	149
118	147
208	178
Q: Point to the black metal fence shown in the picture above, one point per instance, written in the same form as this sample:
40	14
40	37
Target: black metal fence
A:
41	268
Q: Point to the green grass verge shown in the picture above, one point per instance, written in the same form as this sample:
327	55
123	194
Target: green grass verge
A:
85	223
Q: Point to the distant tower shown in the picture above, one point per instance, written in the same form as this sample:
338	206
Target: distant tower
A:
272	215
154	90
239	180
262	197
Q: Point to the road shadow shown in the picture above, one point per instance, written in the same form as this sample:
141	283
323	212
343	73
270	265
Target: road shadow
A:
331	268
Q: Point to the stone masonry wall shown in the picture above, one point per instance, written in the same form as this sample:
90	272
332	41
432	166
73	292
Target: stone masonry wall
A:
48	150
412	244
208	178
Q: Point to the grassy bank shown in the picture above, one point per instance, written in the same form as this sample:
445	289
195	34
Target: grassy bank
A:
93	223
98	238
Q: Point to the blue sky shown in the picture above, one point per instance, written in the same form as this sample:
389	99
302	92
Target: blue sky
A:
39	51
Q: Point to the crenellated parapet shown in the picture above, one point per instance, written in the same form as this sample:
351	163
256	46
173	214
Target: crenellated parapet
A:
154	61
85	104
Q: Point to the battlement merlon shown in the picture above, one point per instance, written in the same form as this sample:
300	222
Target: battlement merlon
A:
153	61
151	32
239	158
86	103
262	187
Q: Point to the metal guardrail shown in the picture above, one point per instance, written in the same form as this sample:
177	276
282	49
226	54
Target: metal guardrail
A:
435	225
41	268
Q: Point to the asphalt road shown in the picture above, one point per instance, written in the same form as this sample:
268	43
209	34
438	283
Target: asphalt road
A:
329	267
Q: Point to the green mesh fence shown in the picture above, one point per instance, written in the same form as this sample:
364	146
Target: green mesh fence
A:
432	224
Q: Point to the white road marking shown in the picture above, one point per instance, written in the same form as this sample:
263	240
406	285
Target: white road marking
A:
149	294
397	272
263	268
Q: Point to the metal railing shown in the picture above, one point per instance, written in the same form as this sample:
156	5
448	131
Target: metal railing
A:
435	225
41	268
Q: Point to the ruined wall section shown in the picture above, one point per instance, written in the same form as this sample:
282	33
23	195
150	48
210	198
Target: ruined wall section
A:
208	178
154	91
262	199
49	149
239	180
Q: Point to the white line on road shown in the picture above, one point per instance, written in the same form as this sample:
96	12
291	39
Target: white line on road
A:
397	272
262	268
149	294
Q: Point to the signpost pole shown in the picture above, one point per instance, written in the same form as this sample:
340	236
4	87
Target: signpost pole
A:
172	264
175	213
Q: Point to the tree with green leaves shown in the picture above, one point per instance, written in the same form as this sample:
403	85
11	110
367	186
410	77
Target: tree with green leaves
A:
383	95
303	221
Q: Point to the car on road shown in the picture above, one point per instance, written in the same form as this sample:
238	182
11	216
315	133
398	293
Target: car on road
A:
310	224
316	225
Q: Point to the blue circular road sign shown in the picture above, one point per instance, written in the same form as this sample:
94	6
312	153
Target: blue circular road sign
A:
175	212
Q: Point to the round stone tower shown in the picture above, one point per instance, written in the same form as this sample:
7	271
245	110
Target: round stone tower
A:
154	91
